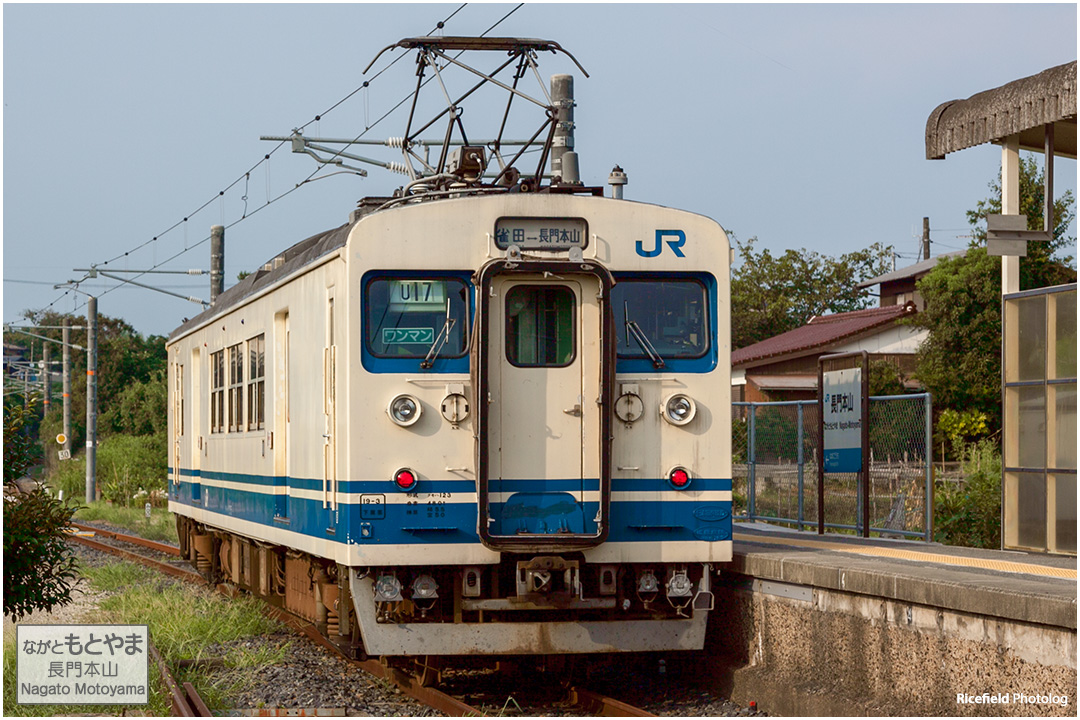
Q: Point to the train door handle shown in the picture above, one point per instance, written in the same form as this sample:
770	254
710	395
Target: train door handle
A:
575	411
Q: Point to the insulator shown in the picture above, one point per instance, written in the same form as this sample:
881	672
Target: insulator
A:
395	142
195	271
400	168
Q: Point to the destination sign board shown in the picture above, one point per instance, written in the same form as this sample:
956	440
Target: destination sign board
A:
536	233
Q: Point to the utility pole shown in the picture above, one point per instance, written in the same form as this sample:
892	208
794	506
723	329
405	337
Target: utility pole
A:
67	385
91	398
926	238
217	261
564	160
46	376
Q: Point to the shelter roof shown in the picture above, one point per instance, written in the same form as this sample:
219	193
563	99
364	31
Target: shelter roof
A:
1021	107
820	333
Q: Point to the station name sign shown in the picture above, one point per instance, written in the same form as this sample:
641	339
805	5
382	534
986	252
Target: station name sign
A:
842	420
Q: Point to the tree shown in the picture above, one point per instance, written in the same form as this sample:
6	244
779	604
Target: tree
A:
771	295
39	567
1047	263
960	361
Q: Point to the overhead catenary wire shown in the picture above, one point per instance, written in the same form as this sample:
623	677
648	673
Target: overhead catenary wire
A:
245	177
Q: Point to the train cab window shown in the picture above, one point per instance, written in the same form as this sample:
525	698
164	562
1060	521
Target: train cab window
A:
670	313
410	317
540	326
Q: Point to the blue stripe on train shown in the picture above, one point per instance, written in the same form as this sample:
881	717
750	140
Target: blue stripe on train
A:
374	522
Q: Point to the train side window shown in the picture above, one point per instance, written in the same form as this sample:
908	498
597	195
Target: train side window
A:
256	383
236	388
217	392
540	326
407	316
671	313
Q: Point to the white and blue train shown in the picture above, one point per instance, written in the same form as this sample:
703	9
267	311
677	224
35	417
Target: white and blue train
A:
488	421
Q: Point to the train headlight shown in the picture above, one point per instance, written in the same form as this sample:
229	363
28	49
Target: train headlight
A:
404	410
387	589
405	479
425	588
647	582
679	409
679	478
680	585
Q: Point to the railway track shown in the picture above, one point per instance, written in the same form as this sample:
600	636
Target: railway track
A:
187	703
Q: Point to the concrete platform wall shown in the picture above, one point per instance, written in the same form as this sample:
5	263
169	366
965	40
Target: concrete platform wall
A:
804	650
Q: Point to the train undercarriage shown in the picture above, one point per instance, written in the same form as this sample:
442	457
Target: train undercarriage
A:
538	605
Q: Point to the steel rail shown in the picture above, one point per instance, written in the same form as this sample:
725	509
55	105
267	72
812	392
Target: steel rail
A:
133	539
177	572
604	706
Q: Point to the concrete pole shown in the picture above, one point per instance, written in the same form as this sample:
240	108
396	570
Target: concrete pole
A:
926	238
1010	205
217	261
563	158
67	385
91	399
46	376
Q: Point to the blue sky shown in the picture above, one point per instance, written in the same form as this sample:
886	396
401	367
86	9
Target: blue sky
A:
802	125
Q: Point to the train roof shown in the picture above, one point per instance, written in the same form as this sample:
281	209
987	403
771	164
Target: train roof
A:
297	256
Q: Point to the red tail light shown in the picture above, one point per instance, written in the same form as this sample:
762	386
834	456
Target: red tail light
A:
405	479
679	478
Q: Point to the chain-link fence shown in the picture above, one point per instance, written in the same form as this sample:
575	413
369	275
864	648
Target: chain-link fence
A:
775	467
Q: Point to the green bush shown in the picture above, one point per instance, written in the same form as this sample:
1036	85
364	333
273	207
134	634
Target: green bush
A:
39	567
969	513
132	469
69	477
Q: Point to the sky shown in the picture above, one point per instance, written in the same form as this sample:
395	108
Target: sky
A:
130	129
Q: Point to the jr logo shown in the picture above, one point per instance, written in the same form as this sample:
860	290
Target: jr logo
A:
675	245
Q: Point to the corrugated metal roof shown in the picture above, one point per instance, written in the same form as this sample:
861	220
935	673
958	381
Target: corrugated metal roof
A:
919	268
1021	107
821	332
300	254
784	382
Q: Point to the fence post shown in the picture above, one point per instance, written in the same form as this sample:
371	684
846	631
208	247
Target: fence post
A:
928	405
751	457
801	461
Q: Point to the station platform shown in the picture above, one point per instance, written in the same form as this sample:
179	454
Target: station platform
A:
828	625
1024	587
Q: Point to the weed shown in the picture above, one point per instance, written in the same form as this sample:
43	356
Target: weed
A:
161	525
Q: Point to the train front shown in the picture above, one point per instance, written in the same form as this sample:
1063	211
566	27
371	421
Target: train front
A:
538	455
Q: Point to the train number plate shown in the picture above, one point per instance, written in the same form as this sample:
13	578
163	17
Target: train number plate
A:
372	507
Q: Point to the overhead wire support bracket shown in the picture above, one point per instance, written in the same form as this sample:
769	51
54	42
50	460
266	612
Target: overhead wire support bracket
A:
128	281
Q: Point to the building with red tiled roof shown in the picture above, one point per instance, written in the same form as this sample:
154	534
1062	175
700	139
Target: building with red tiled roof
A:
785	367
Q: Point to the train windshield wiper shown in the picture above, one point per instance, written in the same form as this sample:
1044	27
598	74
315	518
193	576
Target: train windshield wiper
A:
440	340
634	330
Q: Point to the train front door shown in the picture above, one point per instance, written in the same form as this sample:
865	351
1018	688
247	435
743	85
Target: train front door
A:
544	425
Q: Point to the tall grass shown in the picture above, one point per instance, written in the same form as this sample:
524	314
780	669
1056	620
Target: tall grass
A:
186	622
969	513
161	526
